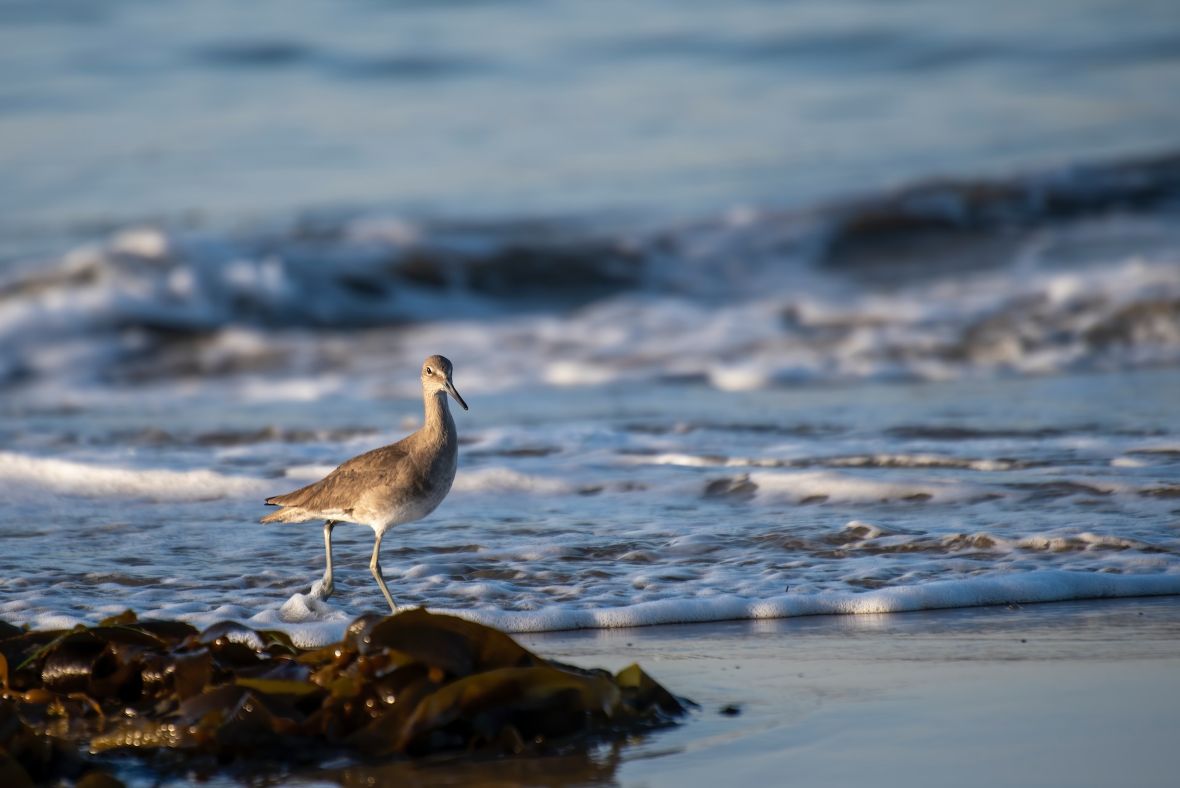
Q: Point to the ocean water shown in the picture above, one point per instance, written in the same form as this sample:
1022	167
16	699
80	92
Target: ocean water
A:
225	113
761	310
610	505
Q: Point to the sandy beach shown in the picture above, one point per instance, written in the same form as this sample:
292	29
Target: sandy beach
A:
1069	694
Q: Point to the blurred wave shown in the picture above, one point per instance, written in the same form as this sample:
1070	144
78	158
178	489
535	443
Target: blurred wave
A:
1069	268
207	114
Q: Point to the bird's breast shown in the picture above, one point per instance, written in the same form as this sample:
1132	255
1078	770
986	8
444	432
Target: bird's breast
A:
405	499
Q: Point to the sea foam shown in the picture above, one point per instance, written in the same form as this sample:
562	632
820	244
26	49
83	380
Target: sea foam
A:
313	622
1023	588
23	476
731	304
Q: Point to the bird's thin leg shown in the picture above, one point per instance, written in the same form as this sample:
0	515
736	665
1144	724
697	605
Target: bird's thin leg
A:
375	568
327	584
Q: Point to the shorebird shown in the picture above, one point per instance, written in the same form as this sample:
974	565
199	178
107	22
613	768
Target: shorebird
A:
388	486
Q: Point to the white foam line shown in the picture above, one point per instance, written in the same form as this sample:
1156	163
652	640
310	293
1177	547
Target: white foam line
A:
851	488
311	624
507	481
1025	588
22	474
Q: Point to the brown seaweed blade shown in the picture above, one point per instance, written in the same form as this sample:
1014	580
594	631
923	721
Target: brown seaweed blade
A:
409	684
641	692
537	701
456	646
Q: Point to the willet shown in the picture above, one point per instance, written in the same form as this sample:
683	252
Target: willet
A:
388	486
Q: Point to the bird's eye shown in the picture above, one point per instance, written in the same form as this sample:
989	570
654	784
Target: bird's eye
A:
429	371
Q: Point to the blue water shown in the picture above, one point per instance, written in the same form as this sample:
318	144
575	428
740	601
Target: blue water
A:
228	112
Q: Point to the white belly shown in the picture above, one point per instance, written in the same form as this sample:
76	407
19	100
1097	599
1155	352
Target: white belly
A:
384	518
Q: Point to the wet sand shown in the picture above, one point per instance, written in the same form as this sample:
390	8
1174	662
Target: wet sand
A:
1067	694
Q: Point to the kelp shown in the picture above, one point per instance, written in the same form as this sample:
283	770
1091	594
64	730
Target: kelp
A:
401	686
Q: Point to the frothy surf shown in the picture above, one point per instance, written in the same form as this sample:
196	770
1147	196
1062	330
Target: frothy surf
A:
818	501
312	622
28	477
1028	588
907	284
661	430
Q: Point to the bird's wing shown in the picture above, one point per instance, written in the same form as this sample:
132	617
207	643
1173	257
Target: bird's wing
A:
340	489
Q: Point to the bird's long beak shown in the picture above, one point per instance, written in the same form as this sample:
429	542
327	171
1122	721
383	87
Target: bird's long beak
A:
454	393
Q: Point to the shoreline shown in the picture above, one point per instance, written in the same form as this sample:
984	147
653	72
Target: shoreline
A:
1024	588
1018	588
1069	693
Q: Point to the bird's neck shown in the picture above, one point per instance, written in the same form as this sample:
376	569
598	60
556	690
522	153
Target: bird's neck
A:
438	416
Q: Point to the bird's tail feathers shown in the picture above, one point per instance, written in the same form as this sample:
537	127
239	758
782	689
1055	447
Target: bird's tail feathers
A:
286	515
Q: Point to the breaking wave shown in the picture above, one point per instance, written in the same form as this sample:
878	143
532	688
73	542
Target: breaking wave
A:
24	477
1075	268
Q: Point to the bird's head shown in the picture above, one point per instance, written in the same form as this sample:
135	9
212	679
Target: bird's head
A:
436	377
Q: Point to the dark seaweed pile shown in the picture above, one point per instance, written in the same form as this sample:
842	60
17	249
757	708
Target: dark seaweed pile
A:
73	702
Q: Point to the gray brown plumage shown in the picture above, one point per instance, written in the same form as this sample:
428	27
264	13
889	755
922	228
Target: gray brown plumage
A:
388	486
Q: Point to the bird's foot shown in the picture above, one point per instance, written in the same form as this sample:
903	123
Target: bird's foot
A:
321	589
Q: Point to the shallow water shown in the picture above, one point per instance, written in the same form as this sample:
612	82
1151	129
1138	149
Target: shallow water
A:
612	505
